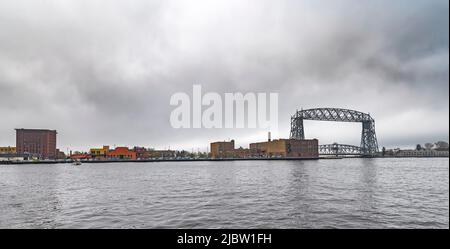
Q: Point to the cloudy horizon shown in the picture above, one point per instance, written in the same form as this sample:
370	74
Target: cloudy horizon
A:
103	72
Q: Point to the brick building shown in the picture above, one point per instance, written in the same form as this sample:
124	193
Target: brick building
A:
39	142
241	153
306	148
222	149
60	155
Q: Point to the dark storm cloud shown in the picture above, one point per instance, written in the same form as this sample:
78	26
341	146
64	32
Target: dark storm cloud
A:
102	72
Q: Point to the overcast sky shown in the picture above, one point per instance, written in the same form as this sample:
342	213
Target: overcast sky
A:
103	72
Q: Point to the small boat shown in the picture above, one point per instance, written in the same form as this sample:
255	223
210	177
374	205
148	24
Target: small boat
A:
76	163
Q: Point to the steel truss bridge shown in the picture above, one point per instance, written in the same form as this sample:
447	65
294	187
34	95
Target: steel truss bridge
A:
369	144
339	149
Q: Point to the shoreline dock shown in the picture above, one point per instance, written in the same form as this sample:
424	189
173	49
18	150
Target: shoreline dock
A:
163	160
202	160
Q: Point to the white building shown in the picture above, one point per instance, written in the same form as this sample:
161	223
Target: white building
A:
16	157
421	153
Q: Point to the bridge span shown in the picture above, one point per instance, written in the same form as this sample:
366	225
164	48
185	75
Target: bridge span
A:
340	150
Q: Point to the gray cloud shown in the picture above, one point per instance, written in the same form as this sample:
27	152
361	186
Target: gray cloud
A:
102	72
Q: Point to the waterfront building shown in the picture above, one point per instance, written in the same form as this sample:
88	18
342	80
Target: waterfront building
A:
39	142
241	153
184	154
100	153
60	155
222	149
141	152
145	153
422	153
8	150
162	153
80	156
122	153
16	157
304	148
440	146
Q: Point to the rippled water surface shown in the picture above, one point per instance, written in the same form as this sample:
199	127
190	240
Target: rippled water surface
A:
346	193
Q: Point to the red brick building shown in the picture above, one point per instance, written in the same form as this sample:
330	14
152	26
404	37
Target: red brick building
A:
222	149
305	148
38	142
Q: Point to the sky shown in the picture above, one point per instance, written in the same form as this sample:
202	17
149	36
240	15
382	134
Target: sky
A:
103	72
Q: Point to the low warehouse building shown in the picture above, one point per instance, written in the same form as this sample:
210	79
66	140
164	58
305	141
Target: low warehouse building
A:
305	148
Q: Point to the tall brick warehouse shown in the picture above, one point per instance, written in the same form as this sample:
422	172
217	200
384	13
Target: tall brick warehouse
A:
36	141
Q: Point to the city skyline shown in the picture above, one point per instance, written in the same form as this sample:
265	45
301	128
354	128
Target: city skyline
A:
223	123
103	74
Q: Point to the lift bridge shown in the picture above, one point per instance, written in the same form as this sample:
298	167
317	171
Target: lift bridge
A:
369	144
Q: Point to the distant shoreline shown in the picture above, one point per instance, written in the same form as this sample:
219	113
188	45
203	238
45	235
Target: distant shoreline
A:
162	160
207	160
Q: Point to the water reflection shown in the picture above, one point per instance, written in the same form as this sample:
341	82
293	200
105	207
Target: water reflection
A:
367	190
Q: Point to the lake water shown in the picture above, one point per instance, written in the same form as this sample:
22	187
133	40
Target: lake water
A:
346	193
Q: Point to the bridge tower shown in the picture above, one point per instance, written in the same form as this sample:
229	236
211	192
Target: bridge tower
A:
297	130
369	143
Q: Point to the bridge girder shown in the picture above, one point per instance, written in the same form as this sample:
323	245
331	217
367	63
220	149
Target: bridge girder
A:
369	144
339	149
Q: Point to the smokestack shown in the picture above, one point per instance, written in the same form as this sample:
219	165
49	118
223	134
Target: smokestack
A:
269	139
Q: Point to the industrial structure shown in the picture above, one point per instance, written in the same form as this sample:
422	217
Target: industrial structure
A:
369	144
222	149
278	148
305	148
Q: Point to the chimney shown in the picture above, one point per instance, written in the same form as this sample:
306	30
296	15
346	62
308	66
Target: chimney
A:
269	139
